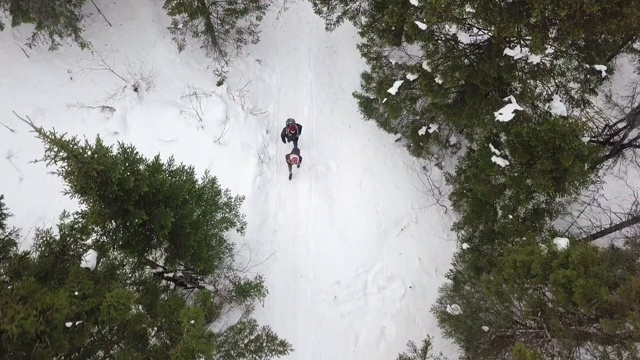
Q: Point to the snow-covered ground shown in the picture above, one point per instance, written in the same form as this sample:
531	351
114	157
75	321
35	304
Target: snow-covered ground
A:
352	254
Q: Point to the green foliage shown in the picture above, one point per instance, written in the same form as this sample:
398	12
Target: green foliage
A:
422	353
335	12
463	72
223	27
60	308
165	276
248	341
144	206
521	352
548	163
8	235
558	301
53	20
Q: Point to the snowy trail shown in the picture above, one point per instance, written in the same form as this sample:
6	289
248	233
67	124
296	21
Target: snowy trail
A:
353	250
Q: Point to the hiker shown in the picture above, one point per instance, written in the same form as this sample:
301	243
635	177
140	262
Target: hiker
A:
293	158
291	132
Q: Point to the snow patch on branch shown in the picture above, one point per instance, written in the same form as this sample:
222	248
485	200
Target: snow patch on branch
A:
602	69
561	243
506	113
89	259
520	52
396	85
493	149
500	161
454	309
557	107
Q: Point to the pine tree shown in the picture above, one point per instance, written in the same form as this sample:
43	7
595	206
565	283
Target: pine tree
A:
165	279
222	27
424	352
548	167
521	352
54	20
145	206
561	302
456	55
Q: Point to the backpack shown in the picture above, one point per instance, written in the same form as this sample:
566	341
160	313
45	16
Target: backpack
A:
292	129
294	159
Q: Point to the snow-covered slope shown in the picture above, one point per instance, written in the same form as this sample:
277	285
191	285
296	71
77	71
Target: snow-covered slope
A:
351	253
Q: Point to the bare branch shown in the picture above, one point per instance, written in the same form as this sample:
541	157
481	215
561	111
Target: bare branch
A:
100	11
225	129
8	128
432	185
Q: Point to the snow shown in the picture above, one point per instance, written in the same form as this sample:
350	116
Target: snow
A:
72	323
515	53
454	309
602	69
521	52
89	259
431	129
493	149
465	246
396	85
412	77
485	328
561	243
425	65
500	161
439	79
414	2
506	113
421	25
557	107
338	279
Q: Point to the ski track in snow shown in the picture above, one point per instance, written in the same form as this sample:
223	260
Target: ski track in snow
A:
351	258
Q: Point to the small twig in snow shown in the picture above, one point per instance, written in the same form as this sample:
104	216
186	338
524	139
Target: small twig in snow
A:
8	128
100	11
224	131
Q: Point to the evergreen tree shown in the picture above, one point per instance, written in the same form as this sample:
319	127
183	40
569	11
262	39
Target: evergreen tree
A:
164	282
148	207
223	27
521	352
548	166
456	54
53	20
335	12
424	352
562	302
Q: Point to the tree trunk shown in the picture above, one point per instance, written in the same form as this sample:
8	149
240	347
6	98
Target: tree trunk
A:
618	137
210	29
613	228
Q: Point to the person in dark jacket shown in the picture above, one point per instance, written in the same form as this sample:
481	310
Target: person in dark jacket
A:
291	132
293	158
